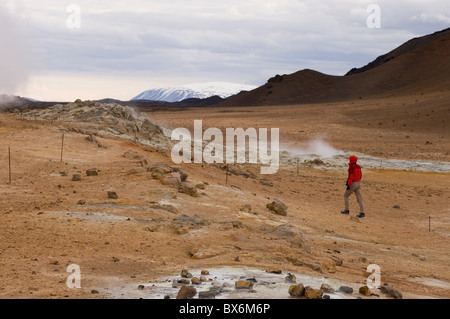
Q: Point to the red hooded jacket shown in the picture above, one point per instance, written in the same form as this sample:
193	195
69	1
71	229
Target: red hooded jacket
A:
354	171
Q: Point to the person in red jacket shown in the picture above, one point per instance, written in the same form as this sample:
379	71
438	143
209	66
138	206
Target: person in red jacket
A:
354	186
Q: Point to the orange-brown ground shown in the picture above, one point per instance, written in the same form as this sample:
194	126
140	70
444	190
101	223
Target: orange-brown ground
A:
43	229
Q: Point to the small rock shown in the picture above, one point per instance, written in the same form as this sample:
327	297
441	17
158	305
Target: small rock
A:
278	207
172	179
297	290
92	172
364	290
76	177
141	287
93	291
196	281
183	281
183	174
391	292
112	195
186	274
91	138
291	279
200	186
186	292
337	261
187	189
207	294
396	207
311	293
204	272
274	271
81	202
327	288
316	266
246	208
346	289
243	284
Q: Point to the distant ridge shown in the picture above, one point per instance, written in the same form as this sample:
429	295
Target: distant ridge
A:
419	65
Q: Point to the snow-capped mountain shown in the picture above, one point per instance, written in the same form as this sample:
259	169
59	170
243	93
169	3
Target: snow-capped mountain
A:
196	90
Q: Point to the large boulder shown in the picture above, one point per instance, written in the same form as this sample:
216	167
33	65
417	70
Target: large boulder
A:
186	292
311	293
297	290
278	207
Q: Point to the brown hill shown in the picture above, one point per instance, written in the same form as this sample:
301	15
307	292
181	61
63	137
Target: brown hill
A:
420	65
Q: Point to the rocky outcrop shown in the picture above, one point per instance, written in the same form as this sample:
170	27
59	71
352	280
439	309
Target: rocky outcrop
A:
105	119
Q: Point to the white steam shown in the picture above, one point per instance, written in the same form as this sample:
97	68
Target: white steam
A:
316	148
14	62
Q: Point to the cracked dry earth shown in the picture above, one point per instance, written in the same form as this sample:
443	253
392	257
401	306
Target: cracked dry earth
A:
48	221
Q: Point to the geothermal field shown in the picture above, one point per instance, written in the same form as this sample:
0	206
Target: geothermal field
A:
93	205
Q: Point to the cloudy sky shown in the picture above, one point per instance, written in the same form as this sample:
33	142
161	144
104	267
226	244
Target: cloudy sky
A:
61	50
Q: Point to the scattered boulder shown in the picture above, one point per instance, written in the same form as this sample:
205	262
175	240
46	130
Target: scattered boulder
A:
200	186
329	266
291	279
311	293
186	274
326	288
243	284
186	292
316	266
183	175
91	138
209	294
76	177
112	195
92	172
274	271
346	289
187	189
246	208
171	179
337	261
278	206
391	292
365	291
297	290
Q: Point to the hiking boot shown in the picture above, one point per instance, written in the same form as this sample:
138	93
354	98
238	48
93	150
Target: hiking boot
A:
346	212
361	215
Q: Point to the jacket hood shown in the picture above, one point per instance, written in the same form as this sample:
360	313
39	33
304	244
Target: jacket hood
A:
353	159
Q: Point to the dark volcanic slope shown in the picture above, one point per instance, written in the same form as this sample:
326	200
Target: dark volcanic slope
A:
418	66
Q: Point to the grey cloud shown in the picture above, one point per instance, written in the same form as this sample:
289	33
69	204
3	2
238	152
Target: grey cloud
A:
243	40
